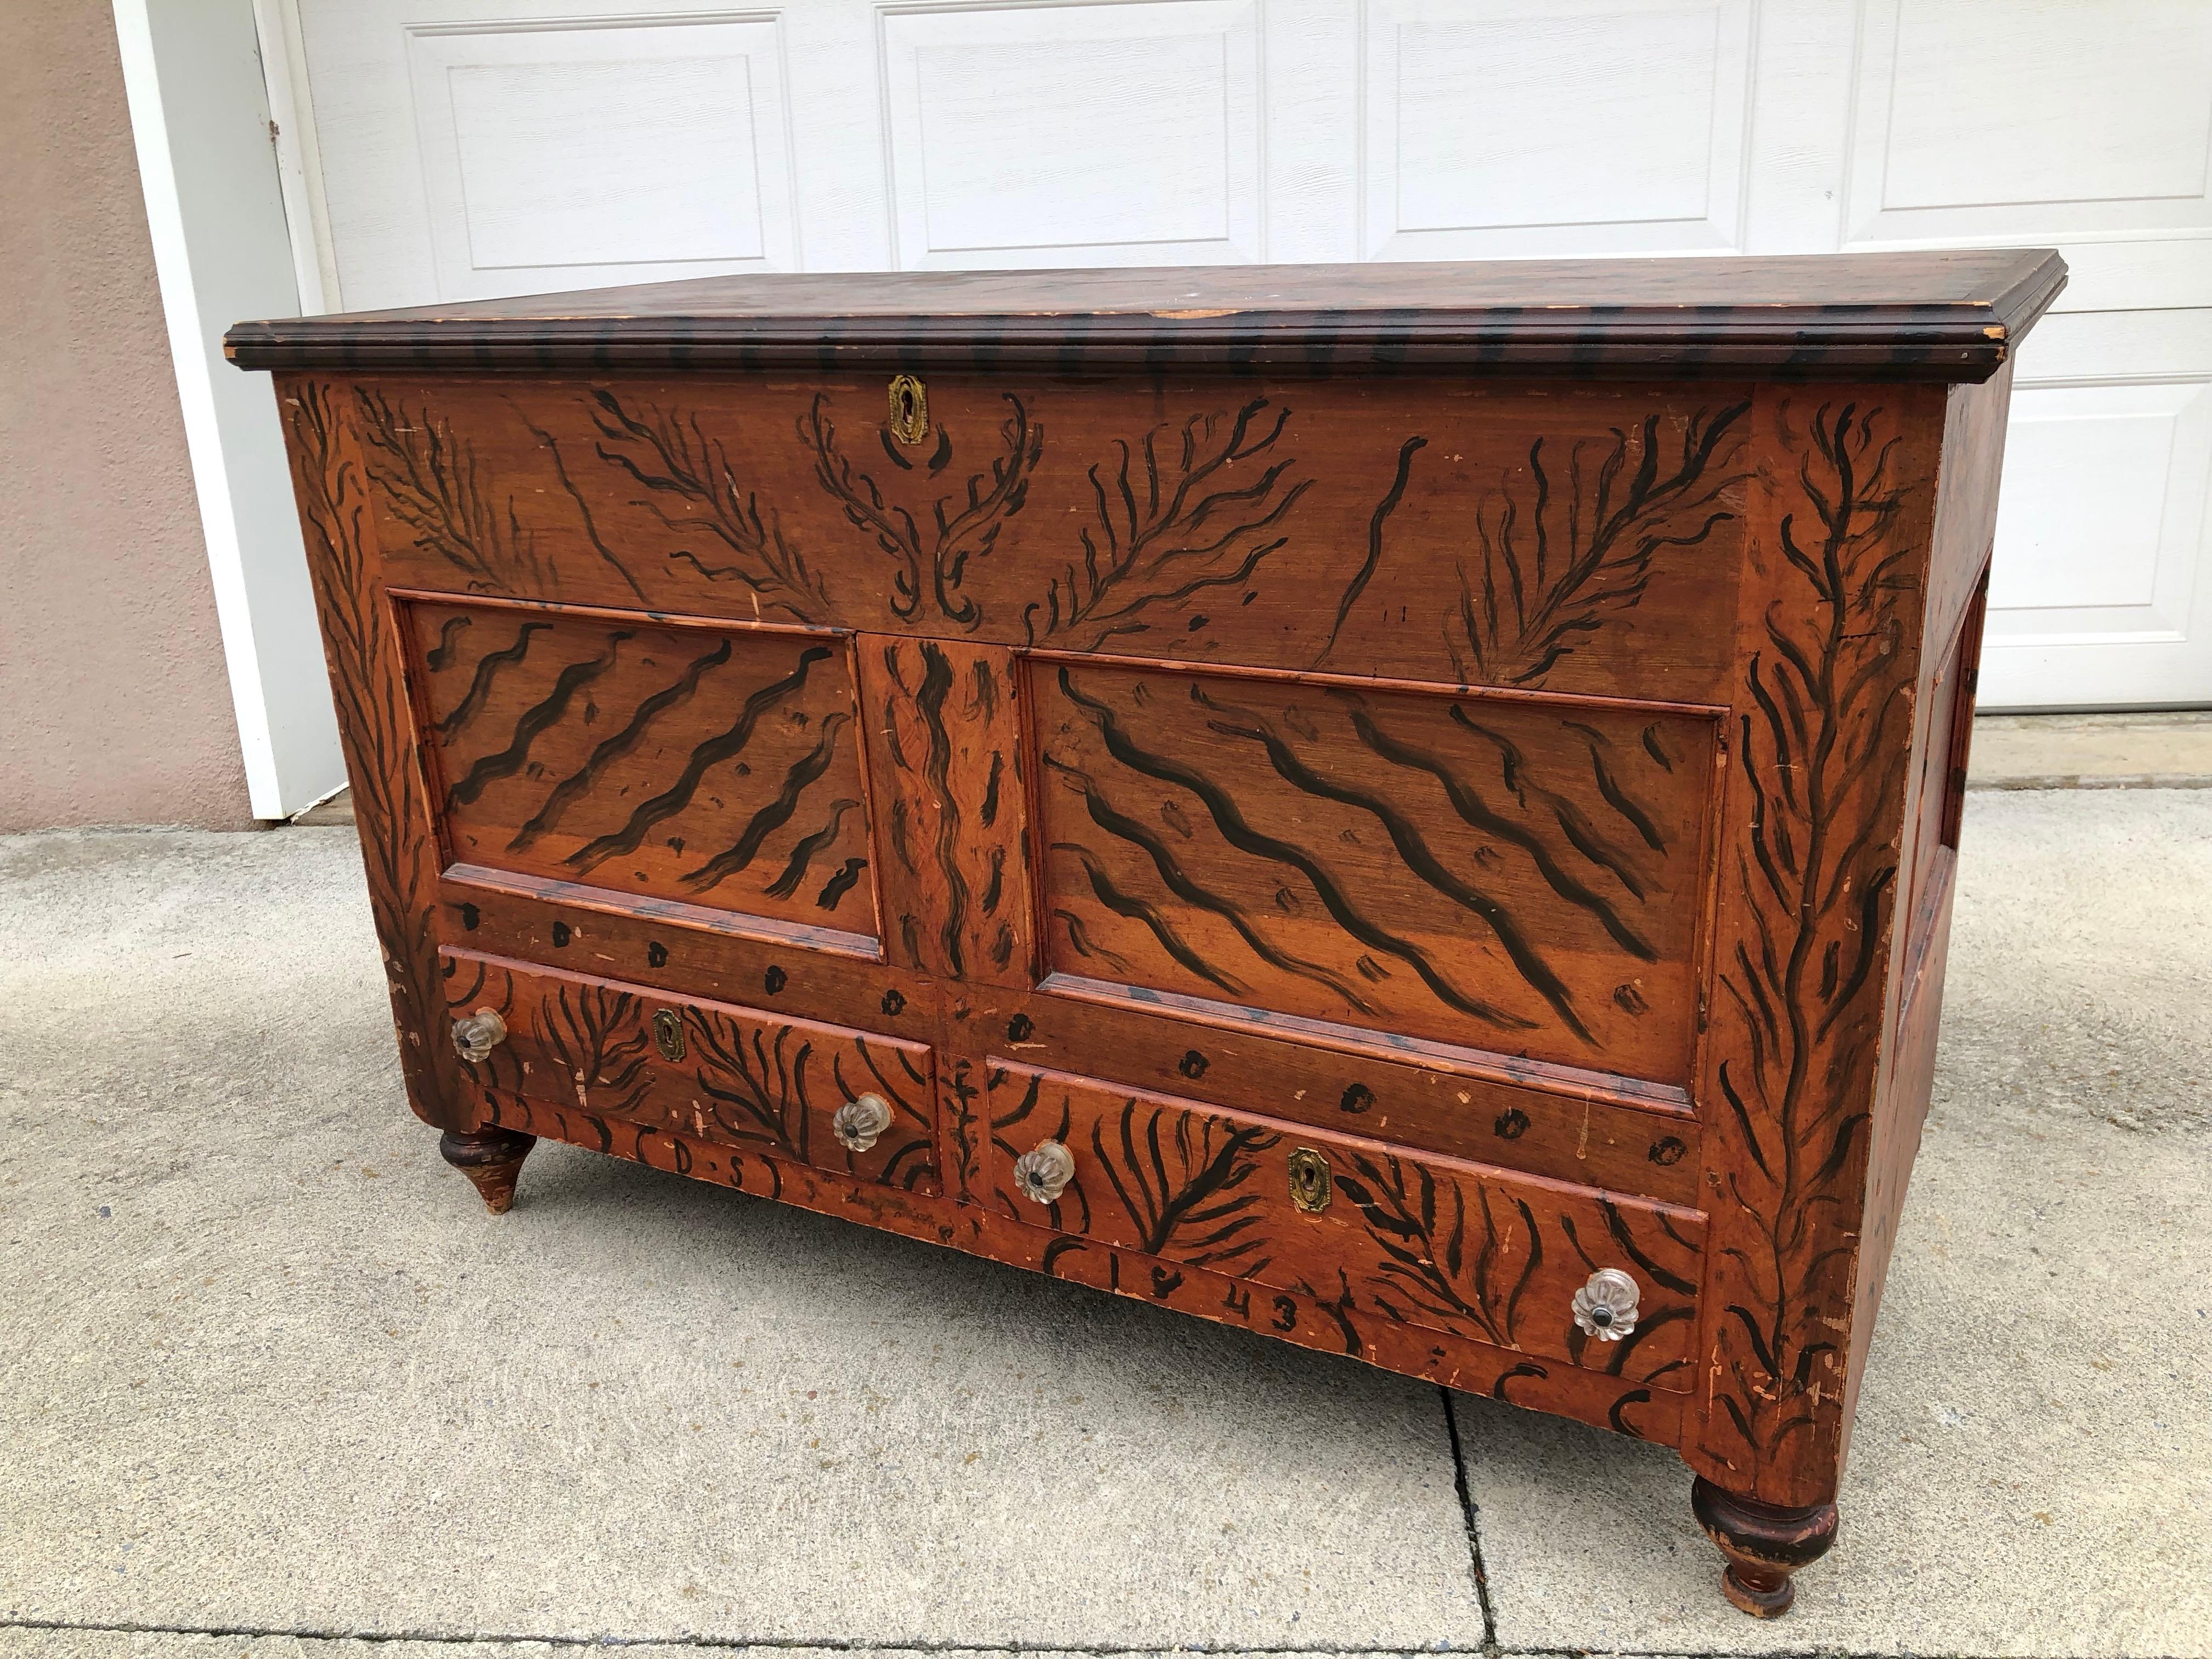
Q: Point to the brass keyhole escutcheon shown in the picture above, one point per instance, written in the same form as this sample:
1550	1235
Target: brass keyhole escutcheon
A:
668	1033
1311	1188
909	401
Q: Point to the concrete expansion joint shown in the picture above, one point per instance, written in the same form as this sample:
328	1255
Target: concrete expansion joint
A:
1490	1649
786	1644
1470	1516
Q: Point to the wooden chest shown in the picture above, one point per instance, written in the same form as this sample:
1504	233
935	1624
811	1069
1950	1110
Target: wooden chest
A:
1409	808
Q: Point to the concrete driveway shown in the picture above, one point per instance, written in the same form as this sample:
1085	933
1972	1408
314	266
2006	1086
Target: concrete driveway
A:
272	1383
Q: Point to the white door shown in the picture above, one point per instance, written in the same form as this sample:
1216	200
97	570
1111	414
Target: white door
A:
465	148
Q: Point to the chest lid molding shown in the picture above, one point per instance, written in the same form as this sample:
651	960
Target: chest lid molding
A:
1942	316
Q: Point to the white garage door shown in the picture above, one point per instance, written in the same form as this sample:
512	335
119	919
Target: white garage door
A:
472	148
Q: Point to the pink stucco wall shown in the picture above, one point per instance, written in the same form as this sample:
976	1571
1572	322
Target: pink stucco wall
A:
114	707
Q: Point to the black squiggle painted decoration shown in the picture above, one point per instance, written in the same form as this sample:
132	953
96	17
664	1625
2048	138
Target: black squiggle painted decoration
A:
692	488
485	674
1182	1177
1173	518
579	783
433	488
808	848
1229	818
725	745
533	724
1821	759
1554	556
1365	574
802	775
931	564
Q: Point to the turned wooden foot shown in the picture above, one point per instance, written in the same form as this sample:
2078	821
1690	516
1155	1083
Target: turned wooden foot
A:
1765	1543
491	1158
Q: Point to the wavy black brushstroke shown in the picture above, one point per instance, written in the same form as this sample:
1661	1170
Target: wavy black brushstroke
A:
1137	909
1417	855
1581	835
584	511
1618	798
579	783
708	754
1365	574
440	656
929	703
487	669
1184	887
802	775
1477	815
809	848
1229	819
841	881
533	724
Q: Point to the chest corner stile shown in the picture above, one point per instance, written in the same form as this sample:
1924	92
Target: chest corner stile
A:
1410	811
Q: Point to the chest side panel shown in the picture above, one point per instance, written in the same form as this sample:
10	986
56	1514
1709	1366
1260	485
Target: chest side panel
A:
1577	538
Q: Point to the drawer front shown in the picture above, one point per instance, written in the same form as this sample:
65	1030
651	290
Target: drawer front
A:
1375	1234
706	1069
1439	530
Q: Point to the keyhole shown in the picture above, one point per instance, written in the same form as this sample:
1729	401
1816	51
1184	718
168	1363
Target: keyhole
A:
909	410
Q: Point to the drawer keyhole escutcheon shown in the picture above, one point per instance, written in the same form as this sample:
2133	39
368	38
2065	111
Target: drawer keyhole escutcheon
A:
475	1036
858	1123
1605	1307
668	1033
1311	1187
1041	1174
909	401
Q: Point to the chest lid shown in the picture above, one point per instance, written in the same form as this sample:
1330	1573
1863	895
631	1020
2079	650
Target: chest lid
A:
1939	315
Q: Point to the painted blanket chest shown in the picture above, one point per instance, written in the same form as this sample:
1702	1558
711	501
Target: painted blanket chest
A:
1410	808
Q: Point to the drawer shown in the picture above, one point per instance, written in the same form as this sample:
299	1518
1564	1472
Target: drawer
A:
1372	1232
770	1085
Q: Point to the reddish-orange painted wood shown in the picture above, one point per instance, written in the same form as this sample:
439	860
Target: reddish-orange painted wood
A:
1454	1248
1522	811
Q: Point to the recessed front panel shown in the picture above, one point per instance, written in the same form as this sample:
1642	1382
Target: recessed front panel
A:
712	767
1487	874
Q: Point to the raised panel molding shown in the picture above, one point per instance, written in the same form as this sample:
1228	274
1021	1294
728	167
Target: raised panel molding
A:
1075	134
1501	130
552	150
2086	127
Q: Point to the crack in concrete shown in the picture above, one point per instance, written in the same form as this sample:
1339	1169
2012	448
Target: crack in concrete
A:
1473	1526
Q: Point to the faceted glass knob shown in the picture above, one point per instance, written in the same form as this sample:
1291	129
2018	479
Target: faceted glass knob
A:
1041	1174
859	1123
1606	1305
475	1036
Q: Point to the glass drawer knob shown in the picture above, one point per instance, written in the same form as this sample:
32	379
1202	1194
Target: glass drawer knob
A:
858	1123
1041	1174
1606	1305
475	1036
